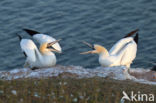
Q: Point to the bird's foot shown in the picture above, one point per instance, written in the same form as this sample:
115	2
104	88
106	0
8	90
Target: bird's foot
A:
26	65
127	75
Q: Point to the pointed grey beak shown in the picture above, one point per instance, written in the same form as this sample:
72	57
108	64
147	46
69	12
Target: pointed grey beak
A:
55	50
90	46
52	43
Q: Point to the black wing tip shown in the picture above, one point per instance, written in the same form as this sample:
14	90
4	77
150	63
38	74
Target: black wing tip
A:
154	68
31	32
20	38
131	33
136	38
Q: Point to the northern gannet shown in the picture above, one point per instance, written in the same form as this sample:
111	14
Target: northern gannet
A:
121	54
42	57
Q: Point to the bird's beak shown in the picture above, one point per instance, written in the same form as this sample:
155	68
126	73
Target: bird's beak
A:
93	51
52	43
53	49
90	52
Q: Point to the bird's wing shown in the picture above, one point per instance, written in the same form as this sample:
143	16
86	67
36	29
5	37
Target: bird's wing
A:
28	47
128	53
42	38
119	45
115	49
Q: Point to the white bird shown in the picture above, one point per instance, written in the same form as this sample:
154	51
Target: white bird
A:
42	57
121	54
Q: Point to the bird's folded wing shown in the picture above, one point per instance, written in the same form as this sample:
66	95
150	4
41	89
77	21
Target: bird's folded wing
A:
28	47
42	38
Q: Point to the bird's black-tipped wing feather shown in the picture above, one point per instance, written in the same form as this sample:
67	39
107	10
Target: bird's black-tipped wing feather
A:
136	38
131	33
31	32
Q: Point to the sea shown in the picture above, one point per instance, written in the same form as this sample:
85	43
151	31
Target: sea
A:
101	22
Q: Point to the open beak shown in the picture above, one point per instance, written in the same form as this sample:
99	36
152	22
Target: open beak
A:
89	52
52	43
54	50
88	44
93	51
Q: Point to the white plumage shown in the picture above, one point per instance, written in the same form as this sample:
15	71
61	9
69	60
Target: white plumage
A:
42	57
29	48
42	38
122	53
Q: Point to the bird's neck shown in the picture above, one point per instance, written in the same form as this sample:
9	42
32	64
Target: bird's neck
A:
104	53
44	51
44	54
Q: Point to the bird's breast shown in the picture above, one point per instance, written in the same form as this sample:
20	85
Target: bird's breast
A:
48	60
106	62
109	61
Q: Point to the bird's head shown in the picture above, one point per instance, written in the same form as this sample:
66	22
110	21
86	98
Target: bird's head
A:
96	49
47	47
